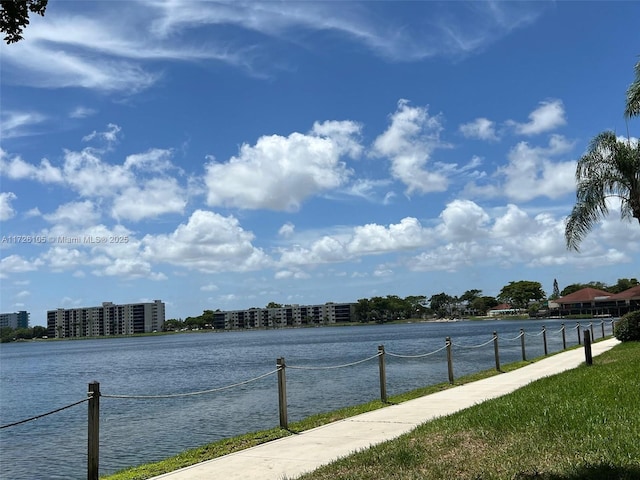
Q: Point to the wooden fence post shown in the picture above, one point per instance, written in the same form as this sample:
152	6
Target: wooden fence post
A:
564	337
587	347
383	374
93	432
544	340
495	350
524	354
282	393
449	359
578	329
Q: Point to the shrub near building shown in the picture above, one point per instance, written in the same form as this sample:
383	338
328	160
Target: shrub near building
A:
627	329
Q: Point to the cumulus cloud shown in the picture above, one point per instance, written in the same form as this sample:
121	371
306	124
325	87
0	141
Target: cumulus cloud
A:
138	188
6	209
373	238
279	173
208	242
74	213
359	241
548	116
532	171
463	220
481	129
16	168
408	142
287	230
156	197
17	264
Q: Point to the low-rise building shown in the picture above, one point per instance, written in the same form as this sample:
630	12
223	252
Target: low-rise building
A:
108	319
595	302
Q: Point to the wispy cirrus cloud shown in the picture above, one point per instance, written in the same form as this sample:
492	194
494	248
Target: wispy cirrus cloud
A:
117	52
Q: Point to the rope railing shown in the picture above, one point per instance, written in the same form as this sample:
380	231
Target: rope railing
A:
534	334
520	335
472	346
190	394
334	366
397	355
36	417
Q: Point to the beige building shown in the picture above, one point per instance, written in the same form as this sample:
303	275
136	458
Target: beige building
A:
108	319
286	316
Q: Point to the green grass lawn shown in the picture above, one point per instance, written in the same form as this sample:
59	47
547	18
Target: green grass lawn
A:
580	424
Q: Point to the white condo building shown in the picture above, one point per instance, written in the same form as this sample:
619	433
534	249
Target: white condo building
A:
108	319
288	315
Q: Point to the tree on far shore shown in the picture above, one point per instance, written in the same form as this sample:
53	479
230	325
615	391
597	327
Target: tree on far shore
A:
519	294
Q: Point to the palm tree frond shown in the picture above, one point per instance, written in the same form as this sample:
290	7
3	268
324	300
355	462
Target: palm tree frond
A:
610	168
633	96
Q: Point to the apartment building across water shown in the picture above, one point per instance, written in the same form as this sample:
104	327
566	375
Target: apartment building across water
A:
288	315
15	320
108	319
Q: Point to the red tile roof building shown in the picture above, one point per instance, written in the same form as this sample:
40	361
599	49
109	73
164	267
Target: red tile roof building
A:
591	301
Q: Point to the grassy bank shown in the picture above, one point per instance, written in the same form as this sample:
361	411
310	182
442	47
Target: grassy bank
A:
581	424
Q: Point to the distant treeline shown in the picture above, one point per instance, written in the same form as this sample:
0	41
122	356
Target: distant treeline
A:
9	334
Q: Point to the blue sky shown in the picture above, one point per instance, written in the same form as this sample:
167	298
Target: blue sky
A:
229	154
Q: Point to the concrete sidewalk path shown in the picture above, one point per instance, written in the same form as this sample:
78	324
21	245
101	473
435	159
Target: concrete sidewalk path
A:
290	457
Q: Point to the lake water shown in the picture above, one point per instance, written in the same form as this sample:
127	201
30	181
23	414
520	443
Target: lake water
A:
38	377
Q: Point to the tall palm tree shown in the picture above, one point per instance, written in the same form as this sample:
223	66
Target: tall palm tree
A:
633	96
610	168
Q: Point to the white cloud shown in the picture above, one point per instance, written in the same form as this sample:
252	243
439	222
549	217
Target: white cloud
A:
17	264
130	268
208	242
17	169
463	220
156	197
74	213
114	50
139	188
6	209
87	174
279	173
548	116
409	142
209	288
82	112
373	238
359	241
532	172
448	32
110	136
480	128
153	160
287	230
19	123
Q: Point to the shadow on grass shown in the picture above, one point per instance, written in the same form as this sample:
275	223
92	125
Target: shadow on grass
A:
599	471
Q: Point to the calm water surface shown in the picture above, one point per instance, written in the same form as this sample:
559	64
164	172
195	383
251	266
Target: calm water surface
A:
37	377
